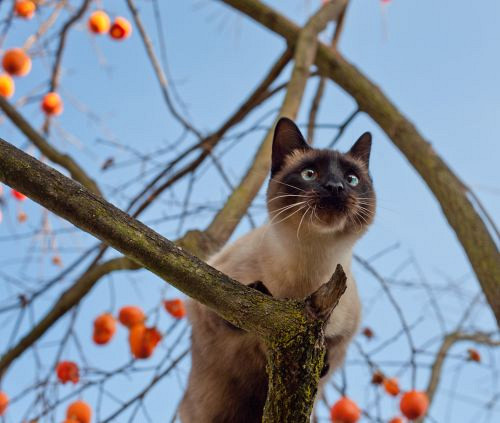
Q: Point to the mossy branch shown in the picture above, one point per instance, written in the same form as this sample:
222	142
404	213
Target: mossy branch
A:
292	329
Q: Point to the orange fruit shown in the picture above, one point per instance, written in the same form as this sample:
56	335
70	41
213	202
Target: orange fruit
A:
143	341
414	404
18	195
7	86
396	420
104	328
368	333
175	308
98	22
22	217
131	315
67	371
120	29
345	411
52	104
391	387
4	402
474	355
16	62
25	8
79	411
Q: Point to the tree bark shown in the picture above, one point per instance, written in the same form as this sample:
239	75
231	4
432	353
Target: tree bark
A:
292	329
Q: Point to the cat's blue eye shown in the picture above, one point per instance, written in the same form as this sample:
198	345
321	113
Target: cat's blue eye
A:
308	175
352	180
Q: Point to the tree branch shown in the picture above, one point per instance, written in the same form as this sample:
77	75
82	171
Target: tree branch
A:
295	338
197	242
446	186
64	160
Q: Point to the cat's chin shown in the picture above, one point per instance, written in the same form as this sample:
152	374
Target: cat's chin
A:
331	226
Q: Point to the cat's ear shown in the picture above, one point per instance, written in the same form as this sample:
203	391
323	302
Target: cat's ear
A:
362	147
287	138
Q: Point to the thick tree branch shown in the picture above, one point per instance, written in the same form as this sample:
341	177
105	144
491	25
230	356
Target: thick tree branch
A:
448	189
71	201
197	242
293	335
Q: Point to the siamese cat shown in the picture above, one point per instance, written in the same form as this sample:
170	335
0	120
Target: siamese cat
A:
320	202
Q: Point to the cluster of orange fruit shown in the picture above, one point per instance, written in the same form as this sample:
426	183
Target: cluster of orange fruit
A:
413	405
142	339
17	63
99	23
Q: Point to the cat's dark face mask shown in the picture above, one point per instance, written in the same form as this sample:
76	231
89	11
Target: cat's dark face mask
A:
324	190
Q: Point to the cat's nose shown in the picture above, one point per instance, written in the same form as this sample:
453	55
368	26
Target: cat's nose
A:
334	187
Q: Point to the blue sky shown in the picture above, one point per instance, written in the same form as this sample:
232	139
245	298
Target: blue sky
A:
437	61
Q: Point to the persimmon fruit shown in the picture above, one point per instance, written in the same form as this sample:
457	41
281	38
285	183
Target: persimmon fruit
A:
345	411
120	29
79	411
16	62
52	104
130	316
473	355
104	328
414	404
143	341
175	308
25	8
98	22
7	86
67	371
18	195
4	402
391	386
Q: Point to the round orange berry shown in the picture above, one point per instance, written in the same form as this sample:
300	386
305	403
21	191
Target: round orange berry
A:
391	387
345	411
104	329
79	411
52	104
175	308
120	29
25	8
131	315
414	404
98	22
4	402
143	341
16	62
7	86
67	371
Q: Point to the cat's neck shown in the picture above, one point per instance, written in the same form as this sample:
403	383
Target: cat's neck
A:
306	261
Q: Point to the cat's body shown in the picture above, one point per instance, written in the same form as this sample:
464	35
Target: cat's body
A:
292	255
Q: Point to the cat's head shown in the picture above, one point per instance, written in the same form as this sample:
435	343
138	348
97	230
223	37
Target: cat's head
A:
319	190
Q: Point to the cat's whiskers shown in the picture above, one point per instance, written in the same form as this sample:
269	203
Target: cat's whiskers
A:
288	195
303	216
290	215
288	185
277	212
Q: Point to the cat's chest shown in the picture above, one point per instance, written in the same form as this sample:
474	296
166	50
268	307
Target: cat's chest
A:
300	275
